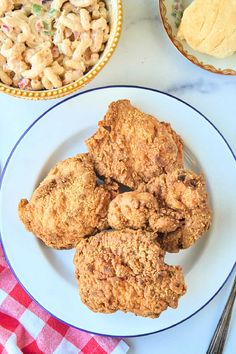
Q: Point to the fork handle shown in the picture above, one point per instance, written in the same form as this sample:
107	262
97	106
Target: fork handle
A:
218	340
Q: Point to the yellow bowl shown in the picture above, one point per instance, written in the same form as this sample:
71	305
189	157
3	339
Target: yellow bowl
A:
116	14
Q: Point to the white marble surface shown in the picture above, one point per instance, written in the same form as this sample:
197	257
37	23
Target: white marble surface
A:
146	57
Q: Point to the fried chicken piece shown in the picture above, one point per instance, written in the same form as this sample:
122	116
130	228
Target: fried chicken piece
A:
182	191
141	210
195	226
68	204
132	147
125	270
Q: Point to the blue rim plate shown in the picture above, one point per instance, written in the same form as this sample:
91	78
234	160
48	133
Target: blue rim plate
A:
72	120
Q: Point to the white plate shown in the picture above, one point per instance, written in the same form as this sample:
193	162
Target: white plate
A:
226	66
60	132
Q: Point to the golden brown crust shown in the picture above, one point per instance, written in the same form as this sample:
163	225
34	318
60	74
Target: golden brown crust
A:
132	147
183	193
125	270
68	204
195	226
141	210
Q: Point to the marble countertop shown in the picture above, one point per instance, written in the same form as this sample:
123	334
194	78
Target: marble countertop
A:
145	57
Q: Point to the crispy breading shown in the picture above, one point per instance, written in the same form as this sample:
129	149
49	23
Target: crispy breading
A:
68	204
141	210
182	191
132	147
125	270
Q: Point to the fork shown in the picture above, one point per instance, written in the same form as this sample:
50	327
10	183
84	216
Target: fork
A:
218	340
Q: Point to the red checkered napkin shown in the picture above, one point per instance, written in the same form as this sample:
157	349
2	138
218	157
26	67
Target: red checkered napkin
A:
26	328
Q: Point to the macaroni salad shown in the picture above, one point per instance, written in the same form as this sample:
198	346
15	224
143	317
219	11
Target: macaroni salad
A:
48	44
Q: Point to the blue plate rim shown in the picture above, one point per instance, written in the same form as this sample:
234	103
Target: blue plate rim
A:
31	126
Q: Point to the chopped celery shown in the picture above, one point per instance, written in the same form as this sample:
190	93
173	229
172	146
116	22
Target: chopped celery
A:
52	12
46	25
36	9
49	33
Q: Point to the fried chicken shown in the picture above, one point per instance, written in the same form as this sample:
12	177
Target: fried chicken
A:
132	147
182	192
68	204
141	210
125	270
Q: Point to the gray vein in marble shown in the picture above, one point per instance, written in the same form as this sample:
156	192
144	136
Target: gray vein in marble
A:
141	19
199	86
203	86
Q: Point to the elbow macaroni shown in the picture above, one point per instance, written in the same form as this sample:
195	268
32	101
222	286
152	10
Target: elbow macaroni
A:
48	44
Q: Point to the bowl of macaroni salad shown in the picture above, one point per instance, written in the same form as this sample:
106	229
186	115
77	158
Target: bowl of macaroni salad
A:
49	49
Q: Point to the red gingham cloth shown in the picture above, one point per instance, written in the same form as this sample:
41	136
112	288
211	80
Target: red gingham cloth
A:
26	328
